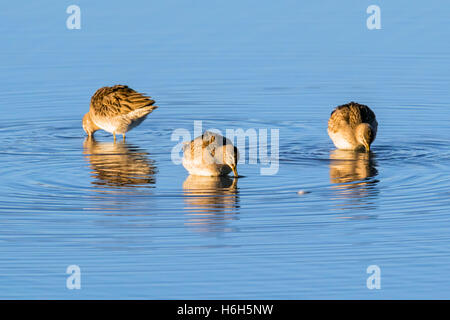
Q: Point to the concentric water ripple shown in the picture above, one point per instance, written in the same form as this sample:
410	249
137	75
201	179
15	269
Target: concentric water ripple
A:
50	165
139	227
62	190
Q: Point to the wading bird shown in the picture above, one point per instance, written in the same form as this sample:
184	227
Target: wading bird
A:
352	126
117	110
210	155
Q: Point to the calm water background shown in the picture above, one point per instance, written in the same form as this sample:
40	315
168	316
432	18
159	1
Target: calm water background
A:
134	222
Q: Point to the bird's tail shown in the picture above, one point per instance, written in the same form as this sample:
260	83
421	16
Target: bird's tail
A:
141	112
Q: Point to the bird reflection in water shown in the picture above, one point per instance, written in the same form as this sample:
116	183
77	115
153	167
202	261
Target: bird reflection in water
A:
119	165
352	174
210	202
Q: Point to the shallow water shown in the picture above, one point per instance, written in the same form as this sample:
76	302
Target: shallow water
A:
139	227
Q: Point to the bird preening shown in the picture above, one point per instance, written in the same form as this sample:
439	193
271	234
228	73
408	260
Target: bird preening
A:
352	126
117	110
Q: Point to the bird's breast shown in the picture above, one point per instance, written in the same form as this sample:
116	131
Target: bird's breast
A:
342	141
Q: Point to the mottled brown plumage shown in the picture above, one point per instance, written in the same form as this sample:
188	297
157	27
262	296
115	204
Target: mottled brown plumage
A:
352	126
117	109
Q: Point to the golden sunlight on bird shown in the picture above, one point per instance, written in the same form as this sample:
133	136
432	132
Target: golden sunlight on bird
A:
210	155
352	126
117	110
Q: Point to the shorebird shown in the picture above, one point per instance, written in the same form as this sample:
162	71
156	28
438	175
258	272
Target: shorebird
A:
116	109
210	155
352	126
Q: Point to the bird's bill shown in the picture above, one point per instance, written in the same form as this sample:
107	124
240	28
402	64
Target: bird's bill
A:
234	170
367	146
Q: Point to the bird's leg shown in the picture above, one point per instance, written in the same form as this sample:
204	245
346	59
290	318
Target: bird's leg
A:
114	135
123	137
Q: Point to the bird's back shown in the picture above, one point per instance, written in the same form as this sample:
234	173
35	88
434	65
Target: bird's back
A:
204	155
351	114
119	100
208	142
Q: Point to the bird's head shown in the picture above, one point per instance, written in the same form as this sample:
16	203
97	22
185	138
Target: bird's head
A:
365	135
88	125
231	157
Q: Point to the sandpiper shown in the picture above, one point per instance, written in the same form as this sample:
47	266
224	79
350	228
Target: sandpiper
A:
352	126
117	109
210	155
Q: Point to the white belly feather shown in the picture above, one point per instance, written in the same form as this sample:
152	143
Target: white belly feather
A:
341	142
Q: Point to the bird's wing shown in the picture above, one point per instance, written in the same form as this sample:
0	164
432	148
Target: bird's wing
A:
118	100
366	114
204	145
352	114
340	117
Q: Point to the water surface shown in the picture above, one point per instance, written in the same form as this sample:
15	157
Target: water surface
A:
139	227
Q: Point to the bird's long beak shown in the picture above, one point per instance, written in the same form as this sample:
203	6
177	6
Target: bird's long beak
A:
367	146
233	167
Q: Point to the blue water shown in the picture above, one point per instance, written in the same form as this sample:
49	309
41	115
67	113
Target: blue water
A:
139	227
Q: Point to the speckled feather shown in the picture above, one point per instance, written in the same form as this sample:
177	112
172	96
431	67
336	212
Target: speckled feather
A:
201	155
344	122
118	100
351	114
117	109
